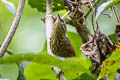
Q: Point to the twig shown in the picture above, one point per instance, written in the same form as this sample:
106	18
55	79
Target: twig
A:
91	9
68	21
93	23
13	28
65	14
59	73
116	14
8	51
109	16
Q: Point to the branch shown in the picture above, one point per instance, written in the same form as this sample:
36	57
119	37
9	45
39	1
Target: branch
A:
59	73
13	28
49	20
77	17
49	23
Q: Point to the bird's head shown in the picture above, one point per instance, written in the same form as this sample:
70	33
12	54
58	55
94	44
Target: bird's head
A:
60	25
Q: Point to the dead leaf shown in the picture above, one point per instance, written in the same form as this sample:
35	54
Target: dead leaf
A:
98	48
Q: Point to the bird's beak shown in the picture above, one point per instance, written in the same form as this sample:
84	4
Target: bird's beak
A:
58	18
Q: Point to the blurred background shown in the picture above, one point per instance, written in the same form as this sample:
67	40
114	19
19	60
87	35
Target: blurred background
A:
30	36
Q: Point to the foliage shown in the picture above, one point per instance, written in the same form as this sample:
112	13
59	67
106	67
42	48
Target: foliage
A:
41	6
78	68
42	58
43	61
111	64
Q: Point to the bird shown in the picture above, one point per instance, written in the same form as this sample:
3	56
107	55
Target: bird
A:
60	45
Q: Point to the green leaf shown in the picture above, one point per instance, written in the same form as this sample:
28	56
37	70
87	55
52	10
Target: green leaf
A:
39	71
9	71
110	65
105	6
76	42
113	38
40	5
72	65
83	76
